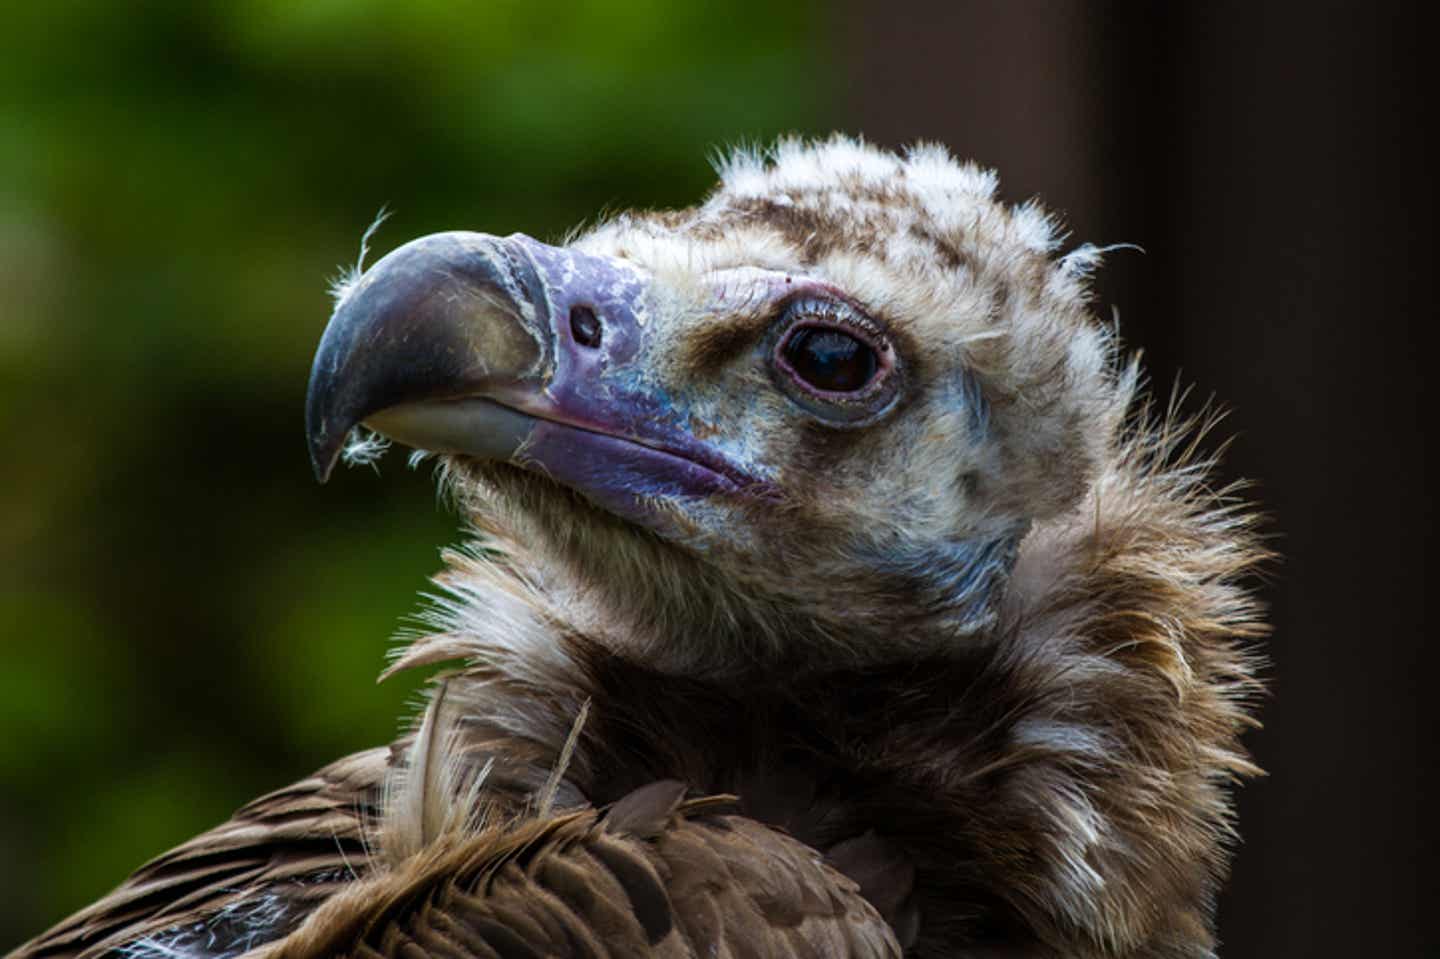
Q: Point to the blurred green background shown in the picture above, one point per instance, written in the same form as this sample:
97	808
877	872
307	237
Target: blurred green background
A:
188	619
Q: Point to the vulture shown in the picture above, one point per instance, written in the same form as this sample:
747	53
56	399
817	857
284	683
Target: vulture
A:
832	589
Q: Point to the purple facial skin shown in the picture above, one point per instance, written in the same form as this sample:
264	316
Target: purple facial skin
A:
631	444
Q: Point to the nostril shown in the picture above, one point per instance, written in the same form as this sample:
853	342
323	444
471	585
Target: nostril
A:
585	326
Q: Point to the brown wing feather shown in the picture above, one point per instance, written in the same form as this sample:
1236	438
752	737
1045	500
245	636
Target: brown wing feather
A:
655	876
270	864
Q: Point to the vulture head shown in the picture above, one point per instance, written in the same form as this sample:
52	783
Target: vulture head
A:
811	417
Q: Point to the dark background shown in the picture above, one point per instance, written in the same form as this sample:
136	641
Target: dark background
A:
188	620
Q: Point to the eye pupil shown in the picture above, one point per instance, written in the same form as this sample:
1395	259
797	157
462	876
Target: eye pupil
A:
830	360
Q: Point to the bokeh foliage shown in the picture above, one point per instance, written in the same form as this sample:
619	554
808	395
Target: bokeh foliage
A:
187	619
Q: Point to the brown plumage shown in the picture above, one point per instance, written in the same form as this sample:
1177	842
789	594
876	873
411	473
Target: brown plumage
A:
966	618
653	875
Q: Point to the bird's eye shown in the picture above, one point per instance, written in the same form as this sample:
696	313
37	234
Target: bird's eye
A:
830	360
836	362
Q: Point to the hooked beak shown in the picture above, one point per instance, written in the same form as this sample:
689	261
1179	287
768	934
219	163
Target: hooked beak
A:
441	319
509	349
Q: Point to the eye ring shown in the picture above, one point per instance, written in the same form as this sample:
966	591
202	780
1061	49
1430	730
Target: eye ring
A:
834	361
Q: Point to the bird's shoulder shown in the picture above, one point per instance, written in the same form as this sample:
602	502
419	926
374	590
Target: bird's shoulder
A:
253	876
653	874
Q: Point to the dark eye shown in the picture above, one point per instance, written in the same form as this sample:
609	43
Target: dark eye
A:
830	360
835	362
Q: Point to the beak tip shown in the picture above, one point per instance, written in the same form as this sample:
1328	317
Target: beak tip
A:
326	407
321	463
324	448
